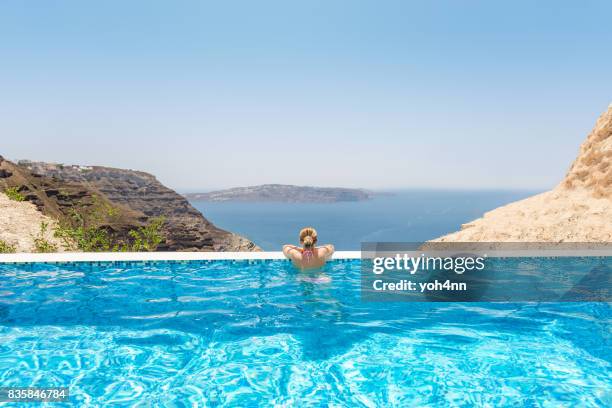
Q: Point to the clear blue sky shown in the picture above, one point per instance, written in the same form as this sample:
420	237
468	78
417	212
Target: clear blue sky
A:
378	94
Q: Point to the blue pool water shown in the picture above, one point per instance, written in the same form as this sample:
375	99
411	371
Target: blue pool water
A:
222	333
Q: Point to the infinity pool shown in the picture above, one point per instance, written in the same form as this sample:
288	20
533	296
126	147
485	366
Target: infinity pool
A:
252	333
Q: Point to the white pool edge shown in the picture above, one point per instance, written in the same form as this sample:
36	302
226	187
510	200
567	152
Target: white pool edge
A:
151	256
63	257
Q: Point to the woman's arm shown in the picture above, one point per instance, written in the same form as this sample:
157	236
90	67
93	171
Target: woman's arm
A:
329	250
287	249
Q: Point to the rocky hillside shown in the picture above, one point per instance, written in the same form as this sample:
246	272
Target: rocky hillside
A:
20	227
592	170
133	198
579	209
284	193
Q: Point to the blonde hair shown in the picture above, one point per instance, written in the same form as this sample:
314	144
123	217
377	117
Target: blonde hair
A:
308	237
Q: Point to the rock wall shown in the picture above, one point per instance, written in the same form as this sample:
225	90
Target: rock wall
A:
579	209
20	225
592	169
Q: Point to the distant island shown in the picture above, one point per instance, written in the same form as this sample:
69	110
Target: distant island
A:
284	193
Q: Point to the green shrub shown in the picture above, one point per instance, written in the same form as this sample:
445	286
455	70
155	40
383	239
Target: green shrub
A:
6	248
13	194
83	238
149	237
86	230
41	243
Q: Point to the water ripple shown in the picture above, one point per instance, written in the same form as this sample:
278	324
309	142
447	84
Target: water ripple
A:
254	334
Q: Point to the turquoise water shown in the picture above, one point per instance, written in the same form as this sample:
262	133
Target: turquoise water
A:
405	216
224	333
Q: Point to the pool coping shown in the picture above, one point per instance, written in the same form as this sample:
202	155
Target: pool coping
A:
62	257
66	257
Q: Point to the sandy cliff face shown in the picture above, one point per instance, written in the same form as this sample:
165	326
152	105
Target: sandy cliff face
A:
592	170
579	209
20	225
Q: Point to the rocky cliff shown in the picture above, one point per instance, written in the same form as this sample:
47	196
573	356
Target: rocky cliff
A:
592	169
579	209
20	227
134	196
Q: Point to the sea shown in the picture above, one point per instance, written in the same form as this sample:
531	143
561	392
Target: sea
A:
398	216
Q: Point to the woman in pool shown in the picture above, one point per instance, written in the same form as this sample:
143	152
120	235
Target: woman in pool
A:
308	256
